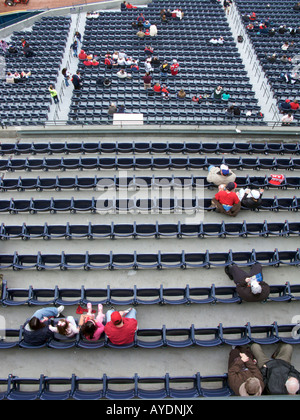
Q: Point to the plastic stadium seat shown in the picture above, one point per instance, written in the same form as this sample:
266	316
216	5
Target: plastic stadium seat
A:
130	385
50	386
151	338
185	386
215	386
96	388
264	334
21	388
153	387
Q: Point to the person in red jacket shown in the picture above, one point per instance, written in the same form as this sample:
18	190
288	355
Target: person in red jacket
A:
121	326
82	55
226	200
294	105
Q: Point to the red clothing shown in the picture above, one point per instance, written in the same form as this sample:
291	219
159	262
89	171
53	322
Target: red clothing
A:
174	69
227	198
87	63
294	106
82	55
121	335
157	88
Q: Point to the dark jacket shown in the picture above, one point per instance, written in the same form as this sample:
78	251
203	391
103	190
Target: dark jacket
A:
244	291
276	374
250	203
37	337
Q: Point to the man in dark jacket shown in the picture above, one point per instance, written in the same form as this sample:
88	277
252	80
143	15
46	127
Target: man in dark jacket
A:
251	199
280	377
250	287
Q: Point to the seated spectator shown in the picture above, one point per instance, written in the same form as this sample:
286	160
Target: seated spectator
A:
164	19
287	119
90	327
250	287
3	45
282	29
296	6
220	175
146	24
123	6
148	67
130	6
121	62
164	68
140	33
279	375
157	87
66	327
155	61
28	52
95	62
181	94
272	32
82	55
10	78
285	46
148	49
122	74
226	200
251	199
109	62
285	106
112	108
153	30
121	326
225	97
233	110
272	58
252	17
174	68
140	18
121	109
165	92
217	93
115	56
285	59
36	330
294	105
244	377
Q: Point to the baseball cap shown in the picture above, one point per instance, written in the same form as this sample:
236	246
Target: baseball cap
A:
254	194
230	186
224	169
116	317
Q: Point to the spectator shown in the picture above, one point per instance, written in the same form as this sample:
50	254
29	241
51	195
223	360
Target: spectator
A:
109	62
233	110
146	25
226	200
147	80
250	287
36	330
287	119
82	55
66	75
285	46
279	376
296	6
221	175
225	96
112	108
121	326
53	94
148	67
164	69
218	92
140	18
90	327
74	47
165	92
174	68
3	45
294	105
123	6
285	106
122	74
153	30
76	80
181	94
157	87
140	33
251	199
244	377
66	327
155	61
148	49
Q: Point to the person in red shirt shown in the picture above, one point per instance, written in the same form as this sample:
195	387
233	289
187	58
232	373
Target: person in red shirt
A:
121	326
174	68
157	87
82	55
294	105
226	200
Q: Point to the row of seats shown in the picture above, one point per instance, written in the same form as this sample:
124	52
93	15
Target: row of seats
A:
138	296
100	147
104	387
135	183
147	230
158	260
152	338
134	205
256	163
